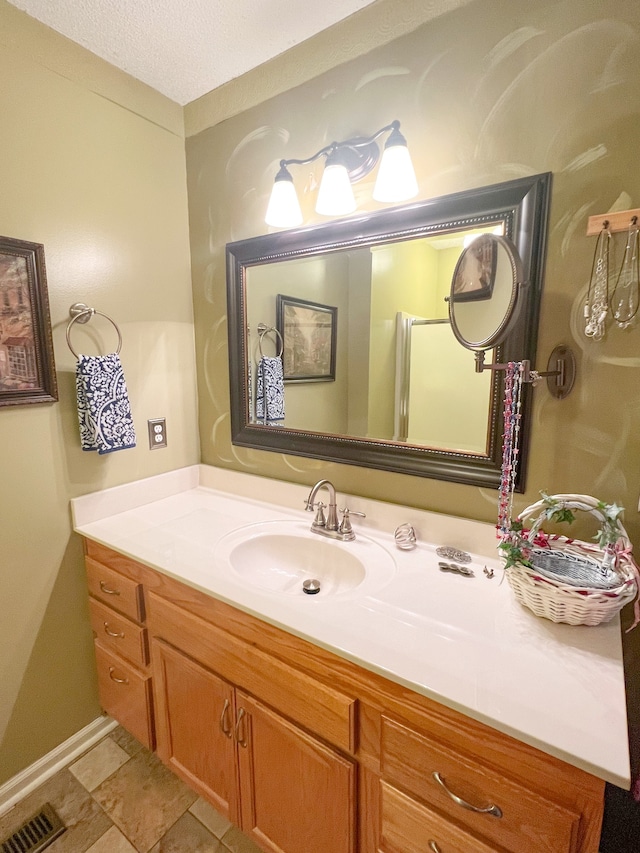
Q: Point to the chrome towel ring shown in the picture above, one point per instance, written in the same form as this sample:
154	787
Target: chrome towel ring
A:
81	313
263	330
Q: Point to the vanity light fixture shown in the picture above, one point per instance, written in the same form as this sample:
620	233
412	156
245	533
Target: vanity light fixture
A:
346	163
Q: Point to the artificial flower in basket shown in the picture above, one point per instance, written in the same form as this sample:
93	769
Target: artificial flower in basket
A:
568	580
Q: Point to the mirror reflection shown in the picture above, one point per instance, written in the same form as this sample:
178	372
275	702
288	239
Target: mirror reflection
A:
382	312
484	291
350	319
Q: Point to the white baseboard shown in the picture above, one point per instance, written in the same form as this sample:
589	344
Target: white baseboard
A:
31	777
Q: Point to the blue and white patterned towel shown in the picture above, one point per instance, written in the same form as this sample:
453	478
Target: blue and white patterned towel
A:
104	412
270	391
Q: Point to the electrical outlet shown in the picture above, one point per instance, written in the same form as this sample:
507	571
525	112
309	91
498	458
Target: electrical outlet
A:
157	433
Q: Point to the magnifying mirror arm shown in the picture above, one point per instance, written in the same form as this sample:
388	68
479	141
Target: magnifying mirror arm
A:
528	375
481	366
562	358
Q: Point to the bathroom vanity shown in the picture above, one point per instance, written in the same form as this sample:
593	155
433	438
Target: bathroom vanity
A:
405	711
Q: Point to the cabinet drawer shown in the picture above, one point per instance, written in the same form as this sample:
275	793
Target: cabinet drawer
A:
409	827
320	708
117	591
118	633
125	694
529	822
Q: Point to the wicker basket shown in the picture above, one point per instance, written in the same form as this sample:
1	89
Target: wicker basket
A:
572	581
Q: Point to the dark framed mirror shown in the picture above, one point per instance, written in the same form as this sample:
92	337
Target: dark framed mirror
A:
405	396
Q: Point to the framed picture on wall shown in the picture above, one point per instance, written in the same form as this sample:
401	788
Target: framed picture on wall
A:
309	339
27	369
475	275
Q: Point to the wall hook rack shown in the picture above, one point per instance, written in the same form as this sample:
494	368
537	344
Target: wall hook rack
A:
614	222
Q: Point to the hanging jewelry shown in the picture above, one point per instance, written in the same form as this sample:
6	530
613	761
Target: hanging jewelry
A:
624	302
510	445
596	306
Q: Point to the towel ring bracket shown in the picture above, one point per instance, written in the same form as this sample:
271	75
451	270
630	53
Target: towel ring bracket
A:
81	313
263	330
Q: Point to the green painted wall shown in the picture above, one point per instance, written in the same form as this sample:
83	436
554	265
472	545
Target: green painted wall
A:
492	91
92	166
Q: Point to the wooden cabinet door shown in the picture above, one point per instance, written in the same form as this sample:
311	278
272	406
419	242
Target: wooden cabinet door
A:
296	793
194	719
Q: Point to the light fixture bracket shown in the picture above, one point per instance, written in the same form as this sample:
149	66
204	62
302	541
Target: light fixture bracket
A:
359	157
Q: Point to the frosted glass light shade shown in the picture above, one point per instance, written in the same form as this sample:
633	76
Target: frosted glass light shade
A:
283	210
396	179
335	196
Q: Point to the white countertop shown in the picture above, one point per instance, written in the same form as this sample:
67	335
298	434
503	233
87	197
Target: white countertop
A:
464	642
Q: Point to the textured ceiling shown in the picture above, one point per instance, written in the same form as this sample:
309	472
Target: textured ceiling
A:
186	48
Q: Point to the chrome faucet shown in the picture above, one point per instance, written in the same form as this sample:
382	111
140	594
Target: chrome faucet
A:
328	525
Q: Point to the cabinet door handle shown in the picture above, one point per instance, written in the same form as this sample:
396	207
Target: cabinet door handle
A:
240	724
115	678
434	847
496	811
107	590
119	634
224	719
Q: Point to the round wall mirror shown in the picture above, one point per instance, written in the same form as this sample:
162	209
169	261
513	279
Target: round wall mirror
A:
485	289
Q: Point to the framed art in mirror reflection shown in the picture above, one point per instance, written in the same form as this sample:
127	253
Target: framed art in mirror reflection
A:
308	332
475	277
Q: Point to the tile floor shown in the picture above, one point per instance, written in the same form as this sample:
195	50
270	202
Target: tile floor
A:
119	798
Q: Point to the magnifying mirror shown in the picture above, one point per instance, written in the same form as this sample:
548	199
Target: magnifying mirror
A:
484	305
485	290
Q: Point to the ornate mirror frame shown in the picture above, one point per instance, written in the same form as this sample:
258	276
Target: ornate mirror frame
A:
523	206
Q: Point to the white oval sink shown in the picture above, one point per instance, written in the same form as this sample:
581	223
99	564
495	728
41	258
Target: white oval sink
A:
278	556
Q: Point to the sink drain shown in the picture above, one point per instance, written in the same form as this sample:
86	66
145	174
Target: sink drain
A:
311	586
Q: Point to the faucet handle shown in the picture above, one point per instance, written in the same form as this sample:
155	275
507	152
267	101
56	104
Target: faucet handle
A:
345	524
319	520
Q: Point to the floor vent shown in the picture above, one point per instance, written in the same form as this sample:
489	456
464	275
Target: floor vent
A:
36	833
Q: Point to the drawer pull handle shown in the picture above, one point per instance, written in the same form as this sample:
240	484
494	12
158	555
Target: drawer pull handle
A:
496	811
107	590
434	847
119	634
115	677
242	740
224	720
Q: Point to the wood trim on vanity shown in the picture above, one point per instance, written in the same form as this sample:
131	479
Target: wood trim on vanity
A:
354	725
293	693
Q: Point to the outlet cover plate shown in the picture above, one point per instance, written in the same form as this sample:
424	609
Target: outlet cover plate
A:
157	433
